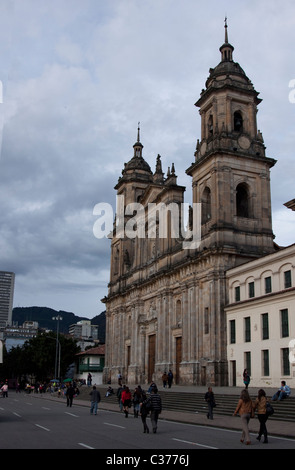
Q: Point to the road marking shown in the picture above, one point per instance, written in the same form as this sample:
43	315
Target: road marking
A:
44	408
71	414
115	425
17	414
194	443
42	427
85	445
27	403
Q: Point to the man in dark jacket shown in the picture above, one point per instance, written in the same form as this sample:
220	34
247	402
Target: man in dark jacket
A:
95	399
156	407
70	395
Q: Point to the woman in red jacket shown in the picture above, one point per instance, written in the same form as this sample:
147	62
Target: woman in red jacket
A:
126	400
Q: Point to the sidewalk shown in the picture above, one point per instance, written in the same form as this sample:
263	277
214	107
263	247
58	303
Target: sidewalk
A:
274	427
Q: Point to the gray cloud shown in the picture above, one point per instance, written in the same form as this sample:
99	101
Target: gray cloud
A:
77	77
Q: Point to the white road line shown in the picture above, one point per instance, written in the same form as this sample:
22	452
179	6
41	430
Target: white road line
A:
71	414
194	444
19	416
44	408
42	427
115	425
85	445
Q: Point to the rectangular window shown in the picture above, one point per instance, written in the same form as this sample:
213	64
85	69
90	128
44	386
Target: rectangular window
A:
247	325
287	279
265	327
284	323
285	361
237	294
265	362
232	329
267	285
251	290
247	360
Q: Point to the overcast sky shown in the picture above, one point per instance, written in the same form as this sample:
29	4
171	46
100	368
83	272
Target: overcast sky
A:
77	77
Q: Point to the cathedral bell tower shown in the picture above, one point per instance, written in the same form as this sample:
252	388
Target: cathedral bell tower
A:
231	173
136	177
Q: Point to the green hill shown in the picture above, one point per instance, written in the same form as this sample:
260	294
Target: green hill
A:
43	315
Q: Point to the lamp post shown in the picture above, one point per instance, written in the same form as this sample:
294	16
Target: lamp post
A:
58	318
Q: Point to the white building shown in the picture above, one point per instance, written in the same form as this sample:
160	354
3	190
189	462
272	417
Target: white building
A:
85	333
261	320
91	361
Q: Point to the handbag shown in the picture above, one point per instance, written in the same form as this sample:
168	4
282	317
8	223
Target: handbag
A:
269	409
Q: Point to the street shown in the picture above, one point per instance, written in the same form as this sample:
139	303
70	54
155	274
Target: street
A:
34	422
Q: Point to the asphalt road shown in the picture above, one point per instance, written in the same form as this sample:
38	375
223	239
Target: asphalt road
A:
27	422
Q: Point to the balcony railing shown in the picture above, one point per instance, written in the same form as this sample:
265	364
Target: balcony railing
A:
90	368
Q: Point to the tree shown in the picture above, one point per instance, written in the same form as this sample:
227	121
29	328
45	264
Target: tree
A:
37	357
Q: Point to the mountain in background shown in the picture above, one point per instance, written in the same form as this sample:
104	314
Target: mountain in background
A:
43	315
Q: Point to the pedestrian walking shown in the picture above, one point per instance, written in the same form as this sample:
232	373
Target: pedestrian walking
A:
246	378
165	379
4	389
70	395
170	378
126	400
156	408
246	411
260	406
144	409
95	399
136	400
119	396
210	399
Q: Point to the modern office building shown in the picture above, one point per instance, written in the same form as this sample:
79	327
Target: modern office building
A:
6	297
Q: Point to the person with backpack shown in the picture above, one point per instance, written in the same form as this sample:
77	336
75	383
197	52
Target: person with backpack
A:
156	408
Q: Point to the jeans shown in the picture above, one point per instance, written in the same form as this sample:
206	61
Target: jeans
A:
245	418
280	395
262	418
154	419
93	407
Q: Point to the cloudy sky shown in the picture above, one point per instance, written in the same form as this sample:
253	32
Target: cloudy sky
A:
77	77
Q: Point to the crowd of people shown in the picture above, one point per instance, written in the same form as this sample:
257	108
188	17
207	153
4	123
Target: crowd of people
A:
143	403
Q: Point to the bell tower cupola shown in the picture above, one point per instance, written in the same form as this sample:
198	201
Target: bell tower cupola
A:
231	173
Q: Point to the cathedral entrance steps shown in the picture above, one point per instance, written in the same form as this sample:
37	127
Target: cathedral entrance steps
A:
193	402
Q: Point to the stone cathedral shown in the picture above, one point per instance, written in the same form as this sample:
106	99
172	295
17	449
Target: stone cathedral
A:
165	303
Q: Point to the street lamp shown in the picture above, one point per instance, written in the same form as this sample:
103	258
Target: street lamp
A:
58	318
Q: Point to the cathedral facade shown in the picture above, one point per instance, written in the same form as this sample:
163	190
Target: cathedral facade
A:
165	303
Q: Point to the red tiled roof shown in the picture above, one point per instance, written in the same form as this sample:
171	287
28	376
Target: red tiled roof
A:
97	351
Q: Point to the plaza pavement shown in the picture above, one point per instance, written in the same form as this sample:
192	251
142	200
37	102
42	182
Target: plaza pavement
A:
274	427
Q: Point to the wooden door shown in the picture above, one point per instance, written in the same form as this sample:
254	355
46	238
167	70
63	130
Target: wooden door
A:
178	358
151	357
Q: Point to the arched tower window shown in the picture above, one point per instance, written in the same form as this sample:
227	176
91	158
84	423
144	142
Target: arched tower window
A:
238	122
206	205
242	200
210	125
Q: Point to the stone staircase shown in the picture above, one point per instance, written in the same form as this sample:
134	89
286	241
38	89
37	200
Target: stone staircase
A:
191	402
